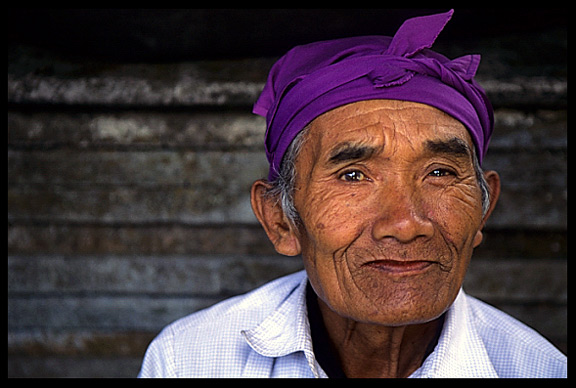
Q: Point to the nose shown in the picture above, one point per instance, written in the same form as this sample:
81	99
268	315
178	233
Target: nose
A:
401	216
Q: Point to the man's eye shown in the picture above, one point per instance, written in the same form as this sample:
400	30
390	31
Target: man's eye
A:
440	172
353	176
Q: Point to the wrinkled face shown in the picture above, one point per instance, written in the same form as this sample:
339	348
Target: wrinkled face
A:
390	208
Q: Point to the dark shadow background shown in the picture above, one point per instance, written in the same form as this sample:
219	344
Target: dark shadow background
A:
161	35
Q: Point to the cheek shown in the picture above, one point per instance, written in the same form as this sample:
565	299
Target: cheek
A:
457	214
457	211
331	221
331	218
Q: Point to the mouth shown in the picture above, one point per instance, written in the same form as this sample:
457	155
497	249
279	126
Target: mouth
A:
399	267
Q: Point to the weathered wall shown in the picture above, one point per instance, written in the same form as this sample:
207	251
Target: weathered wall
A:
128	202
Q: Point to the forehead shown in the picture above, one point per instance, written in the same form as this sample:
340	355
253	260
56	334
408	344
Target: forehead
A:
384	122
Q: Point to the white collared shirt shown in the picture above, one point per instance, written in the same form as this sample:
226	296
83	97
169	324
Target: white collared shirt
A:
266	333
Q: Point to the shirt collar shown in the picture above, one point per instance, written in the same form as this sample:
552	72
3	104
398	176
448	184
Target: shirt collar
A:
286	330
460	351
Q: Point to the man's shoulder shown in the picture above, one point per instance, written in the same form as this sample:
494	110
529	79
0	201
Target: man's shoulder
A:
242	310
210	342
514	346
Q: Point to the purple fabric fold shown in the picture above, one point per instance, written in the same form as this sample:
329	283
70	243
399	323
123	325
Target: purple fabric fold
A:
312	79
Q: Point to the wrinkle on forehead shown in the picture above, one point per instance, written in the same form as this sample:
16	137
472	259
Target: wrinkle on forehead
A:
405	110
377	122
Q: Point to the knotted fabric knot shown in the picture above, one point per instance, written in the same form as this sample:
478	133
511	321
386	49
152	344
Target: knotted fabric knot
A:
387	75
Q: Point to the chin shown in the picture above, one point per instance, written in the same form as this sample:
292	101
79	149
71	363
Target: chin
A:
400	309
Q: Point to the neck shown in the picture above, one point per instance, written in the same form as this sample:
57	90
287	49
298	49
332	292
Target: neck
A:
368	350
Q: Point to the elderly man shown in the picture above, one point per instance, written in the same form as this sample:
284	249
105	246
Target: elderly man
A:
375	146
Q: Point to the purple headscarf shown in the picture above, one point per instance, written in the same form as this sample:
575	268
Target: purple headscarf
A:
312	79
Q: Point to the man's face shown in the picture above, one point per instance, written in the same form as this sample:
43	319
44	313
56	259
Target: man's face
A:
390	209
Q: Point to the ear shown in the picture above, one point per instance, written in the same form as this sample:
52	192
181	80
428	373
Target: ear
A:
278	227
493	180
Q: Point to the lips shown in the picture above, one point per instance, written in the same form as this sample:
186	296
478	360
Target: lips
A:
399	266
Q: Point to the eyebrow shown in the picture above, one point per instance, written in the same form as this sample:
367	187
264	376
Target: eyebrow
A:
348	152
454	146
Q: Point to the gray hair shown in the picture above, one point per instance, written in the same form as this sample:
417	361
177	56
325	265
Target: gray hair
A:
284	186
